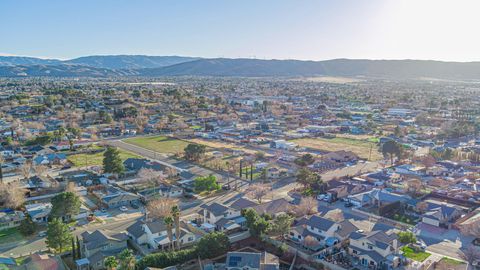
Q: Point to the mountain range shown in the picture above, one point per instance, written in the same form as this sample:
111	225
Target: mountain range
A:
141	65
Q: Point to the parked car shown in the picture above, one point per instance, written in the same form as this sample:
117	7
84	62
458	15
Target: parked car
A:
123	208
42	234
348	204
320	197
226	187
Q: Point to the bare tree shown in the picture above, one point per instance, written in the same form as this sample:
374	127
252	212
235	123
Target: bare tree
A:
71	187
257	191
160	208
471	254
12	195
26	169
307	206
422	206
40	170
151	176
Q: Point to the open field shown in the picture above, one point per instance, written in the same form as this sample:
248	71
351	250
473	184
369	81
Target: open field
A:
359	147
159	144
219	144
96	159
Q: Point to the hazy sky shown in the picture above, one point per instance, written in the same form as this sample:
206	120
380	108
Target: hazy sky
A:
300	29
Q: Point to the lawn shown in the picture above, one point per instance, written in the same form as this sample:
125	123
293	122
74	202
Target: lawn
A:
96	159
419	256
160	144
359	147
10	235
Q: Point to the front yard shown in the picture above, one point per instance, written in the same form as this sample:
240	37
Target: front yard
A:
418	256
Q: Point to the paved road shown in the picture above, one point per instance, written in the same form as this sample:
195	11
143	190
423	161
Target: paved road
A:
38	244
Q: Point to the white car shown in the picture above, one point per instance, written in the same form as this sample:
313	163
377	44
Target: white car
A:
123	209
320	197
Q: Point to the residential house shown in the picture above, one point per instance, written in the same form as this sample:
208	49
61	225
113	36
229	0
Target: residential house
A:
121	198
220	217
321	229
10	218
97	245
441	214
375	249
154	233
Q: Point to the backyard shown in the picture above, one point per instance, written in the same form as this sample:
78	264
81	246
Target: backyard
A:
159	144
96	159
418	256
360	147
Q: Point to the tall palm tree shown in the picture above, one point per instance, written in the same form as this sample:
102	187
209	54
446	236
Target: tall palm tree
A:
127	260
176	217
169	223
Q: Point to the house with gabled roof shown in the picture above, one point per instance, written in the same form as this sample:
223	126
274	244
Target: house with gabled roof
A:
375	249
97	245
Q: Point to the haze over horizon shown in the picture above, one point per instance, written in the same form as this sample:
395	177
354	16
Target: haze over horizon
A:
316	30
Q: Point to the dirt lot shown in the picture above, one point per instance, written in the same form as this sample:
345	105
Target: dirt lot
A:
360	147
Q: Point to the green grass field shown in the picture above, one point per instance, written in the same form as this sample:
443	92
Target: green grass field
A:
416	256
96	159
160	144
10	235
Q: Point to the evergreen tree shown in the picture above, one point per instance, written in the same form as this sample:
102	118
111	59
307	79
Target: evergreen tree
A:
112	163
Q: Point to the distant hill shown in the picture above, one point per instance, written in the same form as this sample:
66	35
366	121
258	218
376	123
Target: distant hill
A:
400	69
22	60
60	71
101	61
139	65
129	61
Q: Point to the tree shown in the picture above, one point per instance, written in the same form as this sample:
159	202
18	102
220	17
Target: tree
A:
168	220
65	205
206	183
194	151
110	263
160	208
58	235
281	225
428	161
213	245
471	254
40	170
127	260
27	226
422	206
112	163
175	212
74	254
256	224
310	242
151	176
309	179
307	206
257	191
407	237
390	149
12	195
305	160
26	169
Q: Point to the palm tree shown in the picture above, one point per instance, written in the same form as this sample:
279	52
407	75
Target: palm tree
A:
169	223
176	216
111	262
127	260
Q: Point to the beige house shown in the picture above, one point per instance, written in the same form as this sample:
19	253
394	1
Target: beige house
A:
376	249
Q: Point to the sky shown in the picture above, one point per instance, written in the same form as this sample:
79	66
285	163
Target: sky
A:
265	29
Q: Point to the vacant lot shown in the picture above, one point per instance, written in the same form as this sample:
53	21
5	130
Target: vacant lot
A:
360	147
220	144
96	159
159	144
